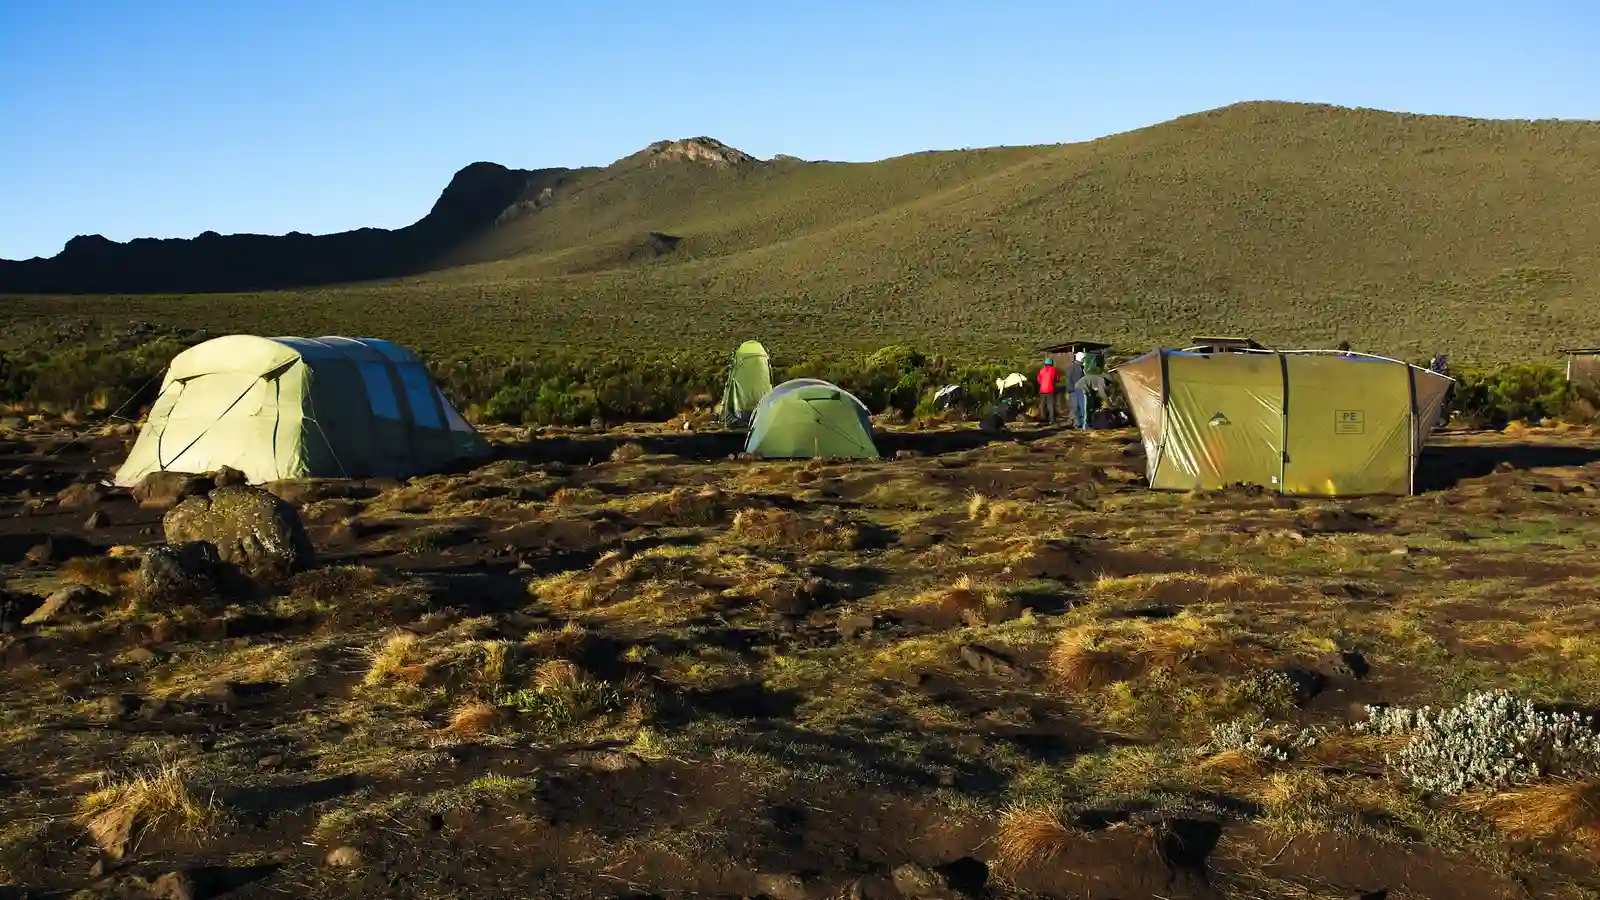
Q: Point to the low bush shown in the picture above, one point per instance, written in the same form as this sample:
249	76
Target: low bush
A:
1489	741
103	370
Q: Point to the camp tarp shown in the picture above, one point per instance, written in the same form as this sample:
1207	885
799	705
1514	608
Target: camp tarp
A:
749	379
1301	423
299	407
807	419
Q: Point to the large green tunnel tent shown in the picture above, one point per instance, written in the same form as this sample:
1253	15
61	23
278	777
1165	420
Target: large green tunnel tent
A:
749	379
806	419
1302	423
300	407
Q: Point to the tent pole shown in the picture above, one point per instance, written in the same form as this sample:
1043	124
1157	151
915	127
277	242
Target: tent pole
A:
1283	427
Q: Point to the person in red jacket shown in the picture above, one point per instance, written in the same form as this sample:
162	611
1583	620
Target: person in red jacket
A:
1047	391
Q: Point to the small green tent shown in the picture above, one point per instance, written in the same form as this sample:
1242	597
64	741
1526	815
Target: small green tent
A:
748	380
300	407
807	418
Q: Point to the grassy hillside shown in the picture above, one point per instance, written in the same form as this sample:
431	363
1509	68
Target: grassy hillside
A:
1299	224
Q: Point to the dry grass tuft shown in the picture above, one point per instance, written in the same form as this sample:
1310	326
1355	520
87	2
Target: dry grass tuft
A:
555	642
497	662
777	526
569	497
628	452
561	677
473	718
970	602
1031	838
396	654
684	506
976	504
162	799
103	573
1005	512
1079	662
1569	810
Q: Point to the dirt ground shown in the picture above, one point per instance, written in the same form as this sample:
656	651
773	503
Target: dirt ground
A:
627	665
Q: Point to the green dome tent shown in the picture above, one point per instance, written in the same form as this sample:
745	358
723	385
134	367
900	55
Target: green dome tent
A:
749	379
300	407
807	418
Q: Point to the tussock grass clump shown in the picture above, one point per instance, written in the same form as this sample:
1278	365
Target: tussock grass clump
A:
103	573
563	696
977	505
497	662
123	811
777	526
1032	838
968	601
1085	659
1005	512
396	653
626	453
683	506
1568	810
569	497
555	642
472	718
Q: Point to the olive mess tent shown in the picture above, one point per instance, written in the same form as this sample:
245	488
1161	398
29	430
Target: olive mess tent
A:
291	407
748	379
810	419
1306	423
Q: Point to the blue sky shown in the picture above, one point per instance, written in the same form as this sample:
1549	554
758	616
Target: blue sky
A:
166	118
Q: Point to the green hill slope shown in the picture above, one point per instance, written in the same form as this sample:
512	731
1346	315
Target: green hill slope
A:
1298	224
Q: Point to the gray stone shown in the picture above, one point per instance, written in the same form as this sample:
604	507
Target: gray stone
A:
160	490
174	573
250	528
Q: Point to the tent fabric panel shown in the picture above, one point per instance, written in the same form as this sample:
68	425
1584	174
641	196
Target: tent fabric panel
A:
1349	426
1224	421
1431	390
228	419
1142	384
231	353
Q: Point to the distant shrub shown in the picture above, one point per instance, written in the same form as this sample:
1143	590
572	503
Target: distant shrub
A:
99	372
1526	393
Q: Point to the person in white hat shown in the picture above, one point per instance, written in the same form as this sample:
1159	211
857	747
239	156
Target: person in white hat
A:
1075	394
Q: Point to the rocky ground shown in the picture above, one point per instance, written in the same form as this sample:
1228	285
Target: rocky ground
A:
626	665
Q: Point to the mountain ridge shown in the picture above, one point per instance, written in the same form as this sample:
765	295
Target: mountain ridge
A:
1301	223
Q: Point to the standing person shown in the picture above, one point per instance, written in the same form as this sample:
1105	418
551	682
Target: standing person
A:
1048	377
1092	380
1074	395
1441	366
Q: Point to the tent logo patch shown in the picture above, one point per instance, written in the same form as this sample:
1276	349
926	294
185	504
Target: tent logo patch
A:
1219	419
1350	421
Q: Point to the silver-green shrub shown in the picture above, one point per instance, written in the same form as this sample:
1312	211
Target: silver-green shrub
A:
1488	741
